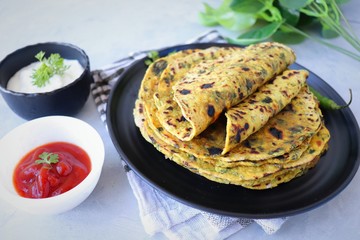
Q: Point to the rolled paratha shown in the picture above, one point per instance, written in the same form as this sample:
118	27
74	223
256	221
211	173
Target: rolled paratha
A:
254	112
178	67
212	87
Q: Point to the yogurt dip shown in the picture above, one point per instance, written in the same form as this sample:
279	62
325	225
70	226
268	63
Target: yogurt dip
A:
22	81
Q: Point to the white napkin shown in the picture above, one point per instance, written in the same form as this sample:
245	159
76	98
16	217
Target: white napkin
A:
159	213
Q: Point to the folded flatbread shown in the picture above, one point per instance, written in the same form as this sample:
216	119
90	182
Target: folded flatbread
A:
211	87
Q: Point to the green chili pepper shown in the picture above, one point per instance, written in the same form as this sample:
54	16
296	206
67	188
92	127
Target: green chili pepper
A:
328	103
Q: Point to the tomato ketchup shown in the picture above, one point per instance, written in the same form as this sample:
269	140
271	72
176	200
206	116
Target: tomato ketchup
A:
50	170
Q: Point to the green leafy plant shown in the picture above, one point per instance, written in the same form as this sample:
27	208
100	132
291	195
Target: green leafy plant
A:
47	158
283	21
48	68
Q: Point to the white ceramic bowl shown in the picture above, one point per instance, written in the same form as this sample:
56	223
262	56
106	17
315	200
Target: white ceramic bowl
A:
32	134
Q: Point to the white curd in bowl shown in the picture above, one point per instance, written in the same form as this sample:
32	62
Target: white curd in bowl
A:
22	81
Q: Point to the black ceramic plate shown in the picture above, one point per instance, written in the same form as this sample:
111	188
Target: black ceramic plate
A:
332	174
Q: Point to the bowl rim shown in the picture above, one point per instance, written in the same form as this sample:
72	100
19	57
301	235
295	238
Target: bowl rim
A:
82	52
82	188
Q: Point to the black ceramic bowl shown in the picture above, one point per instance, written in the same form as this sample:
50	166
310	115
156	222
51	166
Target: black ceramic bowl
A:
67	100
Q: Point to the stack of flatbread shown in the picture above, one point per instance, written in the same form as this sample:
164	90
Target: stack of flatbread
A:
233	115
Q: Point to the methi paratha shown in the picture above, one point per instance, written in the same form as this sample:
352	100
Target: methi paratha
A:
235	174
278	147
150	82
179	66
242	175
299	120
207	148
250	176
168	112
287	157
254	112
211	87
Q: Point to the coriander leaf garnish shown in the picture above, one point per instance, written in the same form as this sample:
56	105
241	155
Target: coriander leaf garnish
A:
47	158
152	57
48	68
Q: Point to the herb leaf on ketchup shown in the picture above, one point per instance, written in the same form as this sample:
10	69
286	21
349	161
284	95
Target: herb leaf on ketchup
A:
48	158
50	66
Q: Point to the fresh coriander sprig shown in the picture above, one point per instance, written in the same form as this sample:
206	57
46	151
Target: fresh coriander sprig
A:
48	68
47	158
283	21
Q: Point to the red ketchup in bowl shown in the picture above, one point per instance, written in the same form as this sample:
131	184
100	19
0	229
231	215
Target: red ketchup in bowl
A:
50	170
